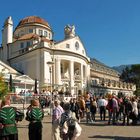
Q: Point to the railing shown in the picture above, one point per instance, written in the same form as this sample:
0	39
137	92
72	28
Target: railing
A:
113	85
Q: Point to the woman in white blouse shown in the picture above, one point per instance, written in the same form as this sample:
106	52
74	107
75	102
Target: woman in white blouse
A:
135	111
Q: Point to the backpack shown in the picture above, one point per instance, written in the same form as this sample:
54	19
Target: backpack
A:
19	115
67	124
71	124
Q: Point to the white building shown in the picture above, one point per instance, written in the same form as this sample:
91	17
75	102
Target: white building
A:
30	49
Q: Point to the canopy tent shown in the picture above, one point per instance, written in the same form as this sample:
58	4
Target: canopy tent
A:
25	79
25	83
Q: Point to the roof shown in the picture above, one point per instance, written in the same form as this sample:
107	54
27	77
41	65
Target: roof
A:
95	61
32	19
28	36
9	68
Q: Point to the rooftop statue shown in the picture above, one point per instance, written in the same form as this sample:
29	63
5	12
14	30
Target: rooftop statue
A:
69	31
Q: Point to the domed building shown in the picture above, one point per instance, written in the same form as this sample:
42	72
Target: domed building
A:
31	50
62	65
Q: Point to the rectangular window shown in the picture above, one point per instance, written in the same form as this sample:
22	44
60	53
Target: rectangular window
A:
28	43
49	36
45	33
21	45
40	32
67	46
30	30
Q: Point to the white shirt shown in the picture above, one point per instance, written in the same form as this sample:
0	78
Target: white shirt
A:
135	108
102	102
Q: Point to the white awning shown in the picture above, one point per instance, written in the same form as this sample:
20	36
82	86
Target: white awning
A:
25	79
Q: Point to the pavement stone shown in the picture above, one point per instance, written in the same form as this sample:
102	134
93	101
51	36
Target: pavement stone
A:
98	130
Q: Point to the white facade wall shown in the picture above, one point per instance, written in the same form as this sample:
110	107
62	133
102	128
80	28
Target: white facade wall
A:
72	49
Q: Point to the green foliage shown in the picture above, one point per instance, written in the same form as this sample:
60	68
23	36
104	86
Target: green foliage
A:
125	76
135	70
3	87
137	92
132	75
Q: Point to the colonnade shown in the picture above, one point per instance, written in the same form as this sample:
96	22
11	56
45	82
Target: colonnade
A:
76	73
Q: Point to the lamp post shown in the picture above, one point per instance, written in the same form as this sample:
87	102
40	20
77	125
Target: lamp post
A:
50	64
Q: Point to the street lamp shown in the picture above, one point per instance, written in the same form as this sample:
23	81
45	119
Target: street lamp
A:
50	64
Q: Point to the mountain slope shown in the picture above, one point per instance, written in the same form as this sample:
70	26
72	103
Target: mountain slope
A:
121	67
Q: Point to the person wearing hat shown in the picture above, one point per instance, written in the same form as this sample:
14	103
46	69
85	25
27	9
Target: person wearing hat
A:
35	115
8	128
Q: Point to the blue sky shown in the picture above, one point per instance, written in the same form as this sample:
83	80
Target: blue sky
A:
109	29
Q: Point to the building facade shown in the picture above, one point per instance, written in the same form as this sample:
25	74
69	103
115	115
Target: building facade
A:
104	80
62	65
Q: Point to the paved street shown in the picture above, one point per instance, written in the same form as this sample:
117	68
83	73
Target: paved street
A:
96	131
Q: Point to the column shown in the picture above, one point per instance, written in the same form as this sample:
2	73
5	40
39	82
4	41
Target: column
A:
39	71
81	76
87	75
58	72
72	77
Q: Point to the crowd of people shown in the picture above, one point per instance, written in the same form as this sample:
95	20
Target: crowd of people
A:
111	109
67	115
119	110
9	116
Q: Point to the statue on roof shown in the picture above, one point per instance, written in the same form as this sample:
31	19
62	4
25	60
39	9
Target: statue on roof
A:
69	31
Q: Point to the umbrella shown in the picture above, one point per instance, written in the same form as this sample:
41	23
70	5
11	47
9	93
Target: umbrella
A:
10	83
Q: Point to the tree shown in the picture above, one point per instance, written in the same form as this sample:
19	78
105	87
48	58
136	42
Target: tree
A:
132	75
3	87
135	71
125	76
